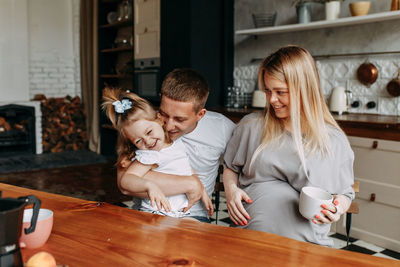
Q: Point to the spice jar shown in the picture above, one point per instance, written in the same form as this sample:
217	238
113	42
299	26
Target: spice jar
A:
395	5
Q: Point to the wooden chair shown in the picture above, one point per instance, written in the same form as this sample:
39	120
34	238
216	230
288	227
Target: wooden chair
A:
352	210
219	187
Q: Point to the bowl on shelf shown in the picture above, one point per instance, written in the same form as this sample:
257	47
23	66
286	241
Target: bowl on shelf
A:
264	19
112	17
359	8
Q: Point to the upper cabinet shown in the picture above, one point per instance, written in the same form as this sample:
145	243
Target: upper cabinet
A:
147	29
348	21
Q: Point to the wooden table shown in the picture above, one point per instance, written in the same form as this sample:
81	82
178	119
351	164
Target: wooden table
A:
87	233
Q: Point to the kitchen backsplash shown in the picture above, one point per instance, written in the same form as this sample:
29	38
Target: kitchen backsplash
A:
341	71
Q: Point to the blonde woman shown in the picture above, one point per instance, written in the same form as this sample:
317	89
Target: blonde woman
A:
294	143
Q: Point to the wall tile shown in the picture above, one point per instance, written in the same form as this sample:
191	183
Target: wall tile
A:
342	72
387	106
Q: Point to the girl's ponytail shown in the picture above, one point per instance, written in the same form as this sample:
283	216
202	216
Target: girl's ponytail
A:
110	95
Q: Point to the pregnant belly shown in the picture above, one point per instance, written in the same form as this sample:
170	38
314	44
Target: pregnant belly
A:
275	210
274	207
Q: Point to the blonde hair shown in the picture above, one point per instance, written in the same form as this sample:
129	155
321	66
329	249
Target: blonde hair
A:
309	114
140	109
186	85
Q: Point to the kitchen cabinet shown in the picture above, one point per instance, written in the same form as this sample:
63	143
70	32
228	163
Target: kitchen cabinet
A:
348	21
377	168
147	29
199	35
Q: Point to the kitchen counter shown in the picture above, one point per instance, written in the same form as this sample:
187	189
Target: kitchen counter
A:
361	125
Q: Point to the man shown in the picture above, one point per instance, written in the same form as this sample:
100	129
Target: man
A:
205	134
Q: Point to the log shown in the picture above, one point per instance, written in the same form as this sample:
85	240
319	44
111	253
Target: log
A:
64	124
4	124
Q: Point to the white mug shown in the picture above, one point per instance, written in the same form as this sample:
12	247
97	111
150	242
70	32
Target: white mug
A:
311	199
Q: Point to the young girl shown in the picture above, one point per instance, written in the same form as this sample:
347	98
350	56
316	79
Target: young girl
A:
143	140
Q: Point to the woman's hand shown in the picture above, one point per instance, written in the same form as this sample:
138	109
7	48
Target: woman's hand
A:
157	197
237	213
207	203
332	212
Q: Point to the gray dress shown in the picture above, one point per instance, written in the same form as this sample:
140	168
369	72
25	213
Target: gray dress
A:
277	176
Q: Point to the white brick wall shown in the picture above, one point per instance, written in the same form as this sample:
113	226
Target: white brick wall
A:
53	74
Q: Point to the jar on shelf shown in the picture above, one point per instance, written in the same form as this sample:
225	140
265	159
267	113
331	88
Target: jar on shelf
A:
127	9
124	10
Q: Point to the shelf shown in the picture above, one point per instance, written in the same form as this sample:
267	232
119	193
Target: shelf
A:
116	76
116	50
117	24
348	21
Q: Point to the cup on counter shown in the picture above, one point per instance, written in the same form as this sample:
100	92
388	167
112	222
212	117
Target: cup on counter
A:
311	199
42	231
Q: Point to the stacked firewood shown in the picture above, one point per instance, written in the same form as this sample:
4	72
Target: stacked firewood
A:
63	124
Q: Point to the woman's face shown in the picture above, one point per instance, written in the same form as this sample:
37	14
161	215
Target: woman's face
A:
146	135
277	93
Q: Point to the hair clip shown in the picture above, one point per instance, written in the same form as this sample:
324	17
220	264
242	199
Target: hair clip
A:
121	106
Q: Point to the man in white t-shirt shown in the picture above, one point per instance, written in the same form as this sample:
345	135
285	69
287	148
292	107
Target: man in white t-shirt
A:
205	134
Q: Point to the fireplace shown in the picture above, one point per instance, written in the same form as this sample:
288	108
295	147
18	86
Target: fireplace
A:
17	130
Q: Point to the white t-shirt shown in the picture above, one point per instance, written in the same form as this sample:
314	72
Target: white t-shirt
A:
170	160
204	146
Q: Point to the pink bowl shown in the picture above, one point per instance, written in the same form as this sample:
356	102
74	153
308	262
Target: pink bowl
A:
42	231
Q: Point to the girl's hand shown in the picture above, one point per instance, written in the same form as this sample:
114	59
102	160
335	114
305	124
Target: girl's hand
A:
332	212
207	203
157	197
237	213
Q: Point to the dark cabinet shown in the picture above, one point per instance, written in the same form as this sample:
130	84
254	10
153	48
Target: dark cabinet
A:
199	35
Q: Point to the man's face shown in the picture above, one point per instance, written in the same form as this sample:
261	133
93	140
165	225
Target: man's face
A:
179	117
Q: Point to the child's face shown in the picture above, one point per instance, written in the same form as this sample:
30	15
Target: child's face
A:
145	134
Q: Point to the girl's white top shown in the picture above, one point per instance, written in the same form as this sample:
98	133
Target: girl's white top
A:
170	160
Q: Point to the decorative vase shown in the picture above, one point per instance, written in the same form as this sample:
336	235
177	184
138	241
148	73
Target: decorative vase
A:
303	11
332	10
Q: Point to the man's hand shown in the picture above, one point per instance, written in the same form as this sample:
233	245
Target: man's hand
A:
207	203
195	192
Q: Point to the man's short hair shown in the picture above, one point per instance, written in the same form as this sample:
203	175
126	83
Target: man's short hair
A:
186	85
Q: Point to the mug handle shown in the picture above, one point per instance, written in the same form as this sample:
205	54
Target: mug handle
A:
36	207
